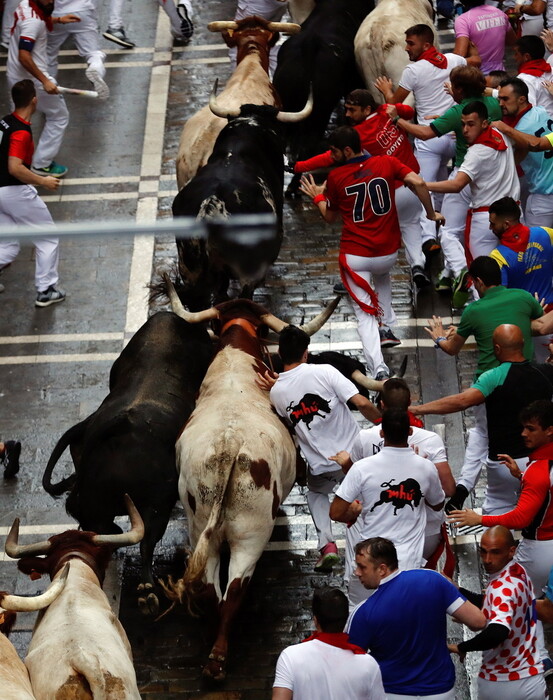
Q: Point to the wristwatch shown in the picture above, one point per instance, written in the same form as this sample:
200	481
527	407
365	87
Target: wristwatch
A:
437	341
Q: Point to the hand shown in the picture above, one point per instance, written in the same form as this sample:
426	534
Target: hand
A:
384	85
464	517
447	88
438	218
547	38
548	85
266	381
500	126
436	327
68	19
454	649
50	182
354	511
343	459
309	187
511	465
391	111
50	87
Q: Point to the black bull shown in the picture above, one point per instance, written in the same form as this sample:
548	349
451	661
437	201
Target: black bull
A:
322	56
244	175
406	493
128	444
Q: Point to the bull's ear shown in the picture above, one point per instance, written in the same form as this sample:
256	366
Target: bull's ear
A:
229	38
32	565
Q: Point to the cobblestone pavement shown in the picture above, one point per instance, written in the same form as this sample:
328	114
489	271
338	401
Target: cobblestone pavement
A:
54	363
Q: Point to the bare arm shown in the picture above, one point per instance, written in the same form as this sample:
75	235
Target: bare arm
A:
522	140
367	408
282	694
446	478
343	512
27	61
385	86
17	169
544	608
343	459
419	131
311	189
536	7
451	342
543	325
462	44
456	185
450	404
471	616
418	185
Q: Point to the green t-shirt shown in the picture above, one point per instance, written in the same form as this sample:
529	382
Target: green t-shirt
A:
451	121
499	305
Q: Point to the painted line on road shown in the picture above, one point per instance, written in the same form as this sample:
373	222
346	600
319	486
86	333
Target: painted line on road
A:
61	338
56	359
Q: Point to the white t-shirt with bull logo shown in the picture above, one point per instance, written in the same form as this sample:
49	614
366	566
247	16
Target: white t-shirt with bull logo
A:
313	399
393	486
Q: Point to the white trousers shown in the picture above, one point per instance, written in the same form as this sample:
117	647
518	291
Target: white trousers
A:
86	37
531	688
116	13
433	157
476	451
21	205
450	695
7	19
539	210
320	486
271	10
376	271
409	211
452	235
482	240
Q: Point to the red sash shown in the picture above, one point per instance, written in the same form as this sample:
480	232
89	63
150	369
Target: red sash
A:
346	272
433	56
43	16
443	546
336	639
537	67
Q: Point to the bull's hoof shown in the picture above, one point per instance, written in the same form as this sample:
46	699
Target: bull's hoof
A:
215	667
148	602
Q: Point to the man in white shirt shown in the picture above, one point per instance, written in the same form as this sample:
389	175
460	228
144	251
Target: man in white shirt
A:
313	400
424	77
325	666
489	168
389	491
533	69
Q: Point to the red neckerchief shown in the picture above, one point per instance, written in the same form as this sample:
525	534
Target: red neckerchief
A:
516	237
336	639
543	452
514	120
491	138
414	421
537	67
433	56
40	12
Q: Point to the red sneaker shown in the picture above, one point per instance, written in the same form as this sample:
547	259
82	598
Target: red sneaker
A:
329	557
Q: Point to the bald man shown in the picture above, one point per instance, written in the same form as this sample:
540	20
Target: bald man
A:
511	666
506	390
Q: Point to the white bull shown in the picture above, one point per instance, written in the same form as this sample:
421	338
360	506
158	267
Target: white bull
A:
249	84
237	464
380	40
79	649
14	678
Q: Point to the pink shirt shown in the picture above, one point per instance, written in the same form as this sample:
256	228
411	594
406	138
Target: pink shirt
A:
486	27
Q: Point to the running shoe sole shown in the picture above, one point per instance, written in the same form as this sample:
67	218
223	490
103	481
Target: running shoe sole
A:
327	561
125	43
99	84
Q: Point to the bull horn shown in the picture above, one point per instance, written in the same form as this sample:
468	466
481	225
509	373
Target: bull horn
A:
367	382
15	550
19	603
178	308
222	26
124	539
214	107
290	117
274	323
318	322
284	27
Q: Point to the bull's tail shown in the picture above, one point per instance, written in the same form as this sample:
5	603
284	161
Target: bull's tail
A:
63	443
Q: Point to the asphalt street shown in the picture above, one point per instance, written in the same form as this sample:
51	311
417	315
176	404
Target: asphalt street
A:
54	362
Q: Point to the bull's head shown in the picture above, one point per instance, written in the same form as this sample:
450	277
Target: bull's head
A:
260	315
95	550
285	117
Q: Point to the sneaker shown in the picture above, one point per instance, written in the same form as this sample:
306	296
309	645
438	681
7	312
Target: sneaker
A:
54	169
420	278
387	338
460	289
339	288
49	297
431	247
329	557
186	25
547	667
99	83
12	450
118	36
444	284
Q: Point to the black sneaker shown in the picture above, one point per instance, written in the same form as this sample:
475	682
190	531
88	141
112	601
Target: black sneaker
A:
387	338
420	278
186	25
12	450
50	296
339	288
118	36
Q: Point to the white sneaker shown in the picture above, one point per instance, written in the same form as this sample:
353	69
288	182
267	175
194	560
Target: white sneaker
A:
99	84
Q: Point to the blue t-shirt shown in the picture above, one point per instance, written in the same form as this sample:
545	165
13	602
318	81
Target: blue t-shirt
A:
531	270
404	626
537	166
